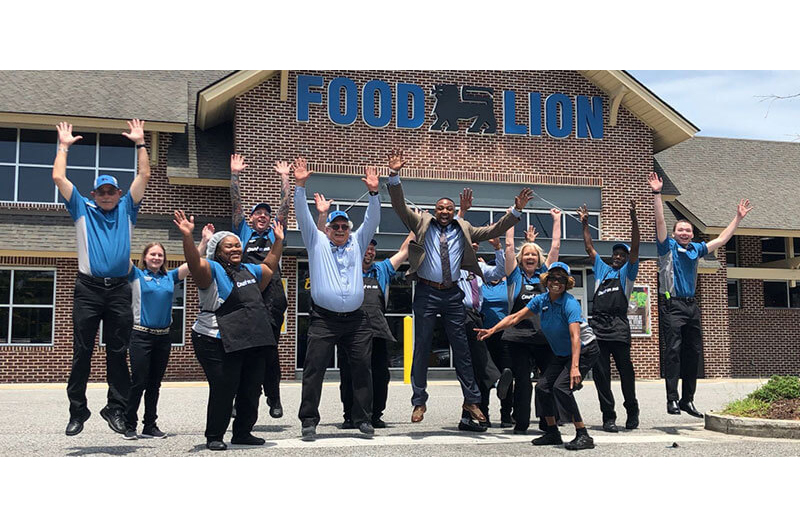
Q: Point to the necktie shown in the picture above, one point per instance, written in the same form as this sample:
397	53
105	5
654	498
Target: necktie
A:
476	293
444	252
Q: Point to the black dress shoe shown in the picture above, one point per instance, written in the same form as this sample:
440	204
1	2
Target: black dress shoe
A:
366	428
610	426
690	409
347	424
249	439
377	423
549	438
470	425
115	420
275	408
506	420
520	431
75	425
216	445
633	420
504	383
672	407
308	432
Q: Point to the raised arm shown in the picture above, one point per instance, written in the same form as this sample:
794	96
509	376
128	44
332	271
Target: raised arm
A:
479	234
583	212
237	166
401	256
555	244
65	141
198	267
465	202
283	168
742	209
511	251
136	134
373	215
272	262
323	207
304	220
658	206
498	271
634	254
208	232
408	216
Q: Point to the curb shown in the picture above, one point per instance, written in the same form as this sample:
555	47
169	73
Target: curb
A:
736	425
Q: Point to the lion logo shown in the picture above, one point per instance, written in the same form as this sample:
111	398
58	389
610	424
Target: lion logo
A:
465	102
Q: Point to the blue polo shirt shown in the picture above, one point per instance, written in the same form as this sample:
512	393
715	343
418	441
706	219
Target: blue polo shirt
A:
214	296
151	297
556	316
677	267
383	272
495	303
104	238
517	277
626	274
246	234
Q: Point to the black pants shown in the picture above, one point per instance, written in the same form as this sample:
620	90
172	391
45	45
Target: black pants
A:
272	371
486	372
380	380
683	338
352	334
149	354
234	374
602	377
525	356
553	394
502	359
112	305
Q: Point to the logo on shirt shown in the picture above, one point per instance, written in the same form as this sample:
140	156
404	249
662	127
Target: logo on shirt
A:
245	283
607	290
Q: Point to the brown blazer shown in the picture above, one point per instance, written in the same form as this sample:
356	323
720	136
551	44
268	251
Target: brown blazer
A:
419	224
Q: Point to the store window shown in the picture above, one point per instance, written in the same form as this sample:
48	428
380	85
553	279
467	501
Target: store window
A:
781	295
178	329
733	294
27	306
26	163
732	252
772	249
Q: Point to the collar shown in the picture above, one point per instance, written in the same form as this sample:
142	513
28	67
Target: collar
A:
335	248
264	233
149	273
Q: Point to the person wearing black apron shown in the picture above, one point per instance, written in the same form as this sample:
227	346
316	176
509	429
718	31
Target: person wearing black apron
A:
612	289
524	342
258	240
231	350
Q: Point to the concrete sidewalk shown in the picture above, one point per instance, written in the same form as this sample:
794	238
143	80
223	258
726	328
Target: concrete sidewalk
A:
36	415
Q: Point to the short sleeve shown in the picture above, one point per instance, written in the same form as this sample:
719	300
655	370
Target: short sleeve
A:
535	304
173	274
242	230
134	273
131	208
664	247
387	266
572	310
76	205
255	269
632	270
702	249
600	268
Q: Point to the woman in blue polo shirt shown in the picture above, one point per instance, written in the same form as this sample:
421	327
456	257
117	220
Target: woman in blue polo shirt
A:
574	353
230	348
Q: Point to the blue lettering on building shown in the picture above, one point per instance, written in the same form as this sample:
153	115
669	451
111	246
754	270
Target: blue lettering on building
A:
384	99
410	97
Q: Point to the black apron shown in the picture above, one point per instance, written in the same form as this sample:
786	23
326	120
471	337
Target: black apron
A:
610	312
529	330
375	307
240	318
255	251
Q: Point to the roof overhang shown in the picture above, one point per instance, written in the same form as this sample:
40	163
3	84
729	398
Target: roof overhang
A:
215	103
668	126
84	124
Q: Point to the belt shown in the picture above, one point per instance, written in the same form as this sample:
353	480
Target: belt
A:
329	313
107	282
154	331
684	299
437	285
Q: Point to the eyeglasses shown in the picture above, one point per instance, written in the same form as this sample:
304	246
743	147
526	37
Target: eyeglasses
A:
108	192
339	227
559	279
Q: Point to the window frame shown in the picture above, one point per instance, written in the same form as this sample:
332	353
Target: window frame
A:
11	305
788	296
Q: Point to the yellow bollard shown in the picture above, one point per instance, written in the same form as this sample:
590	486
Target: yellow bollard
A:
408	348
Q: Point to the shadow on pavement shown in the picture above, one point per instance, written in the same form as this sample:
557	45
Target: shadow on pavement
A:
271	428
231	447
105	450
676	429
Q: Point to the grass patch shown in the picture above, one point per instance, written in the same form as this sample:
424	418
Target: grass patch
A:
758	403
748	407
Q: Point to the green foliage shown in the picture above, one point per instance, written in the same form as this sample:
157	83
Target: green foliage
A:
749	407
778	388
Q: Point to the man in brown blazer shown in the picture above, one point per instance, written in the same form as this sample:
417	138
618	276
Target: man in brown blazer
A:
443	246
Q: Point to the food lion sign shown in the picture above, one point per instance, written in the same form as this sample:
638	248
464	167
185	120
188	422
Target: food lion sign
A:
558	115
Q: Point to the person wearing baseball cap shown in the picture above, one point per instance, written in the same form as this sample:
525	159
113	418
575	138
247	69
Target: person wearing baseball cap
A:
257	240
104	227
612	289
574	348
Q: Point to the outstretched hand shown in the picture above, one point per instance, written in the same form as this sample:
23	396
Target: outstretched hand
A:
371	180
495	242
523	198
283	167
466	200
185	225
583	213
396	161
655	181
531	234
301	172
237	163
65	136
483	333
743	208
136	132
322	205
277	229
208	232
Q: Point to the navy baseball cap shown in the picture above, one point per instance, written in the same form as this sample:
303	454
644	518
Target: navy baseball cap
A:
373	242
560	265
337	214
262	206
626	247
105	179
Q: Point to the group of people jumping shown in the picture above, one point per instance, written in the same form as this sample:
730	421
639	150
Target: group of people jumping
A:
504	319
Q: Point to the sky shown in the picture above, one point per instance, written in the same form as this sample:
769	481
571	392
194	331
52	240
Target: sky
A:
728	103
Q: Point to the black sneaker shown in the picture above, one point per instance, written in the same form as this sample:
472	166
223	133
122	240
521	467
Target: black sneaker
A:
130	434
366	428
275	407
308	432
610	426
115	420
633	420
152	431
347	424
377	423
549	438
248	439
580	442
467	424
216	445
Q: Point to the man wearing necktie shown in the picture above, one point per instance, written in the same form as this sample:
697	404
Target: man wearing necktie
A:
443	247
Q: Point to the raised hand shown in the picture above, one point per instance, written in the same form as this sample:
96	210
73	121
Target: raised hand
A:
531	234
208	232
466	200
301	172
631	211
655	181
237	163
65	136
495	242
283	167
136	133
277	229
743	208
583	213
555	214
323	205
523	198
371	180
396	161
186	226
